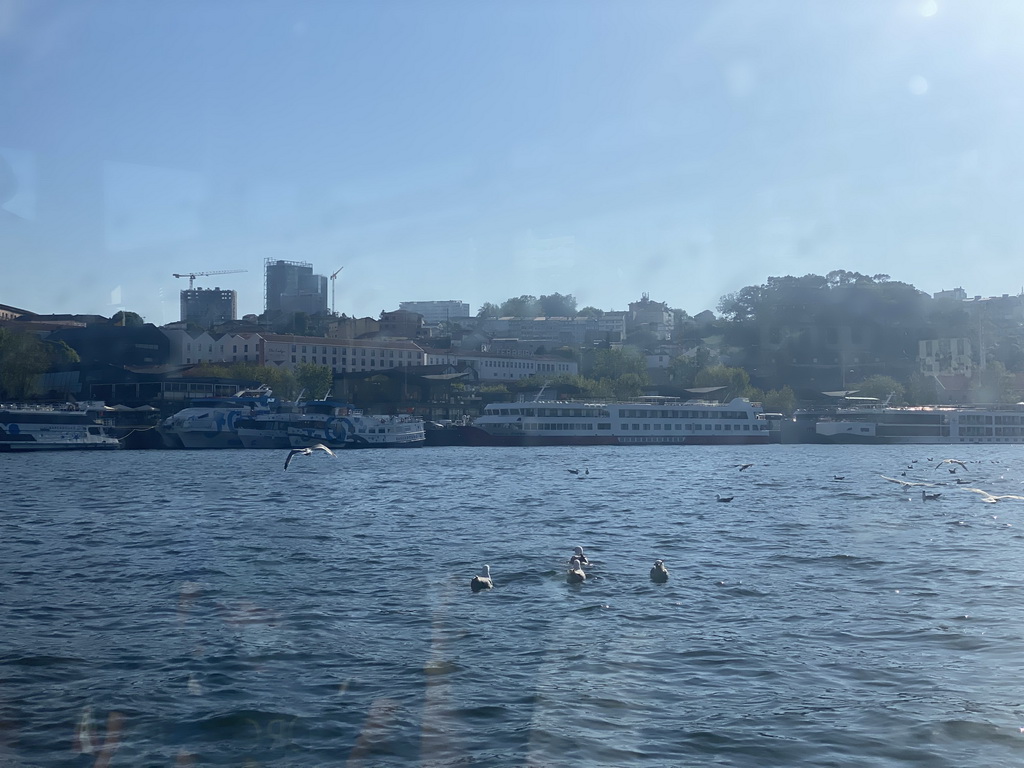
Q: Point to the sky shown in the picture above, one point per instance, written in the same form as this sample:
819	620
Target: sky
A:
479	151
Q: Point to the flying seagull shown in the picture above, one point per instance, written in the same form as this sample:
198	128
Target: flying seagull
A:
951	461
306	452
990	498
905	483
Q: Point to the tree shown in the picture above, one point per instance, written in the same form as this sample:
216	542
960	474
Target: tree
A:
315	379
589	311
523	306
779	401
487	309
735	380
557	305
616	363
881	387
23	359
127	319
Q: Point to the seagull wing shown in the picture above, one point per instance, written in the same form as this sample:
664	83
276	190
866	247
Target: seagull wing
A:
322	447
290	455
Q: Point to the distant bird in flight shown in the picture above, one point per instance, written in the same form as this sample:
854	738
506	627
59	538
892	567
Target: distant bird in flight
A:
905	483
951	461
989	498
306	452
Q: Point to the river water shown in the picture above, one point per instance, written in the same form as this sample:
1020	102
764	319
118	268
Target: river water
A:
169	608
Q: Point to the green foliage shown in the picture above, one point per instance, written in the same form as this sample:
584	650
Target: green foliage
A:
589	311
281	380
488	310
23	358
683	370
615	363
996	385
735	380
922	390
59	353
557	305
523	306
881	387
778	401
315	379
126	319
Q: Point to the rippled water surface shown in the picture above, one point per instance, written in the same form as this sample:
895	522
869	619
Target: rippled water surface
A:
209	608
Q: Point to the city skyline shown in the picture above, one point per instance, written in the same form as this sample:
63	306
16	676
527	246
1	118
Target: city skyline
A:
481	152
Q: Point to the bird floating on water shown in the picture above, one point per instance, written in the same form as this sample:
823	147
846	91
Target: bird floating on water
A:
951	461
577	554
576	471
925	496
482	580
306	452
838	477
745	466
575	574
719	497
659	573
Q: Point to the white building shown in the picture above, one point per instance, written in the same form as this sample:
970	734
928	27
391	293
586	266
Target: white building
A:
493	367
189	348
340	355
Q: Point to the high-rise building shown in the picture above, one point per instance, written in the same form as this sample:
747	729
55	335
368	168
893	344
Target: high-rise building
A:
435	312
291	286
207	307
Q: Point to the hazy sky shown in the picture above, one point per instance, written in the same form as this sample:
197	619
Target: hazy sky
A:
482	150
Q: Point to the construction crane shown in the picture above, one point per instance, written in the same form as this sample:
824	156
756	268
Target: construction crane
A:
193	275
333	278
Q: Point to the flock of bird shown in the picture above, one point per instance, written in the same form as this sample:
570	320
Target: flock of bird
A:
988	498
574	574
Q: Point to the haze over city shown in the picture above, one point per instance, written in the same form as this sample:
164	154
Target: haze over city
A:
454	150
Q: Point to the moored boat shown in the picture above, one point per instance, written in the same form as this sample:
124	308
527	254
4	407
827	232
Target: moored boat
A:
338	425
922	425
212	422
73	426
645	421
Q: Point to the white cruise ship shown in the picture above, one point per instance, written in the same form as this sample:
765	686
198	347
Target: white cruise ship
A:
646	421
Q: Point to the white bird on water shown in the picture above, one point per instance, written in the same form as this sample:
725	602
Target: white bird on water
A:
925	496
575	574
306	452
482	580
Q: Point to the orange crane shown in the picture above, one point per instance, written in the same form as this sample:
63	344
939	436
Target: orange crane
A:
193	275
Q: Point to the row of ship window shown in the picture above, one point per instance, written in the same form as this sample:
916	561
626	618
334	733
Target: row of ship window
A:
638	427
624	413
